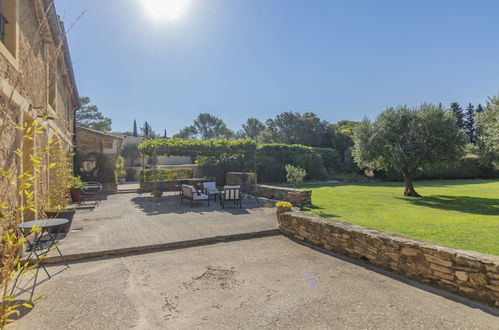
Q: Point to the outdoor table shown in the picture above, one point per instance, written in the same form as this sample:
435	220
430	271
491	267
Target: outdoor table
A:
43	242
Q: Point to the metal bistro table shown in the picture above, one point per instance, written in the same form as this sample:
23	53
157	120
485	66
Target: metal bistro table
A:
43	242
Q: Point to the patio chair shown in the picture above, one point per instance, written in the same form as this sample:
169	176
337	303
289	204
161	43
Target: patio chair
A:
210	188
179	184
90	190
189	192
231	194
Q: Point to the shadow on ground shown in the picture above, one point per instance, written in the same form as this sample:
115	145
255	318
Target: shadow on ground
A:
464	204
171	204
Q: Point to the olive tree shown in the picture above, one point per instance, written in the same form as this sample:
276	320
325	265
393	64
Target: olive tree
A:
488	130
407	139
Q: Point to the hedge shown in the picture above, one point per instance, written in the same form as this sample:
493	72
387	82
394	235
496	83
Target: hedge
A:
467	168
165	174
271	159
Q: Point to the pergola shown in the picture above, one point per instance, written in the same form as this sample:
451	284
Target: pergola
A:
220	149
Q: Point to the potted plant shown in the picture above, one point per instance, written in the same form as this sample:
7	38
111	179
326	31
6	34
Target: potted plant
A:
119	170
74	182
283	207
294	175
156	195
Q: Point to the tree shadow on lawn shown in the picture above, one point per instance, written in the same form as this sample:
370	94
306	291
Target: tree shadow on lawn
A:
317	210
465	204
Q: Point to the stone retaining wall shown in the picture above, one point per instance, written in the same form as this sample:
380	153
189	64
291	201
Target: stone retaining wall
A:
281	193
469	274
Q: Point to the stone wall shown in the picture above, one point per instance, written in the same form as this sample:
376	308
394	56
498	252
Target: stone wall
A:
469	274
24	93
99	147
281	193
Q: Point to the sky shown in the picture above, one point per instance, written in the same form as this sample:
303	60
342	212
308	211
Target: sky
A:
257	58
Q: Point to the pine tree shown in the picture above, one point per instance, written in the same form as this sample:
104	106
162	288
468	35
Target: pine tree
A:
479	108
457	112
469	123
134	128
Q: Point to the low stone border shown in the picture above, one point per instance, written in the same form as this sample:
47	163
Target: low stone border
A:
469	274
281	193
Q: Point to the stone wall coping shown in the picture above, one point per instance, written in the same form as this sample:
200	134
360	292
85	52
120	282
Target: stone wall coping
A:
265	186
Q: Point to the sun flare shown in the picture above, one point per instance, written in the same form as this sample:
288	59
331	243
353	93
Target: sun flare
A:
165	9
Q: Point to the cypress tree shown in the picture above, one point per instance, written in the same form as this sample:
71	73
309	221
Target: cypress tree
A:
134	128
164	135
457	112
469	123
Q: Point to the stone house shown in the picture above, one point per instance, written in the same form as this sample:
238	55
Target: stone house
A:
36	84
96	154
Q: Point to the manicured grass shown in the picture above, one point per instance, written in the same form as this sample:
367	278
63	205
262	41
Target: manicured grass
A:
458	213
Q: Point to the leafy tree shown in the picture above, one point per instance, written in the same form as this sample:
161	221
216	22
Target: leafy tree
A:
458	114
252	128
90	116
206	126
188	132
407	139
295	128
211	127
135	128
469	123
147	131
347	127
488	132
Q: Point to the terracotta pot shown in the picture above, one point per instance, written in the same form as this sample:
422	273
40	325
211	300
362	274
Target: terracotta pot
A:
75	195
156	199
65	214
283	209
294	197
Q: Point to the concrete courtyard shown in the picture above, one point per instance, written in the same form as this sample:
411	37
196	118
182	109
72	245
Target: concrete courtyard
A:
268	282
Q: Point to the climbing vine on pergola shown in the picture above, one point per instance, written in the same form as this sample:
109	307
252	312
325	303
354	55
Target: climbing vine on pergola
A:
195	148
221	149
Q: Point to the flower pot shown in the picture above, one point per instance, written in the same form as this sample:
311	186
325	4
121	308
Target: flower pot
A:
283	209
75	195
122	179
156	199
64	214
294	197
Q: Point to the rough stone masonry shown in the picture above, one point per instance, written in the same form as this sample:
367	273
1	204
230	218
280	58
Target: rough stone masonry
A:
469	274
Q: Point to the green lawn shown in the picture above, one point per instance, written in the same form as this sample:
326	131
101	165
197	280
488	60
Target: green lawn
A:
458	213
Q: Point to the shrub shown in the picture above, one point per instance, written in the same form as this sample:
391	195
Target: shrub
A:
165	174
295	174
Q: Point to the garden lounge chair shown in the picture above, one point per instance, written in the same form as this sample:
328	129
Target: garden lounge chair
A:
189	192
231	194
210	188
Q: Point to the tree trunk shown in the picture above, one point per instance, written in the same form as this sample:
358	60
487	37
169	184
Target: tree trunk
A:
409	187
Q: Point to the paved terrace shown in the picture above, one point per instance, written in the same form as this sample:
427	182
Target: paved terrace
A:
262	283
127	220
